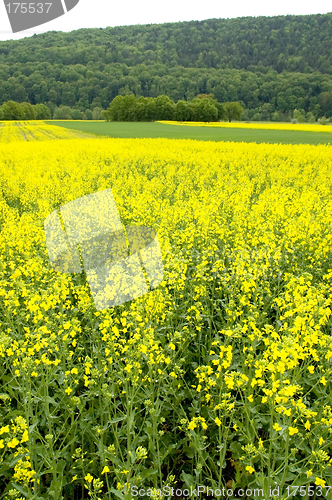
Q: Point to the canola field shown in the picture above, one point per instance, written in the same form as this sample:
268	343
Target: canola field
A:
221	376
12	131
303	127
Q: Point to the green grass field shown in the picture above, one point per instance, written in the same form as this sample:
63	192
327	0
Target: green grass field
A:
155	129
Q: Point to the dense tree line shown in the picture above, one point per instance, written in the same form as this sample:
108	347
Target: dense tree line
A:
202	109
11	110
291	43
261	95
129	108
270	65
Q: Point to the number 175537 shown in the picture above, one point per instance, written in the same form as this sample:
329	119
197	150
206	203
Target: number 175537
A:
310	490
28	8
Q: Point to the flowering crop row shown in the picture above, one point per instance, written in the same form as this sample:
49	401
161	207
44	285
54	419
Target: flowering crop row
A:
221	376
11	131
304	127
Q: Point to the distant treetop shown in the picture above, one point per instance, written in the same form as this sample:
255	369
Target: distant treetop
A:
290	43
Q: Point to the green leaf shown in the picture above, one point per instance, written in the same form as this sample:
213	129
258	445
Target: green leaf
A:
235	447
190	452
117	493
131	419
115	420
148	472
21	489
188	479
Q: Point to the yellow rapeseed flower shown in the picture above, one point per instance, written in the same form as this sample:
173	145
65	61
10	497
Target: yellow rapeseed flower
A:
13	443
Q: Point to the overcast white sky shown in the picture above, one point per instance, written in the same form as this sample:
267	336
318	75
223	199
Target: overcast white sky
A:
103	13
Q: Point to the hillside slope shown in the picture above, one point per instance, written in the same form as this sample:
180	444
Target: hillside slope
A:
268	63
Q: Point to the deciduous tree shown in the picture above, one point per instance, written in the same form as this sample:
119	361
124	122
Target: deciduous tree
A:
234	111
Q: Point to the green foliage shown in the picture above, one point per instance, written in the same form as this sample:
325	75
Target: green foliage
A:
96	113
282	62
182	112
234	111
311	117
283	43
148	109
204	96
299	115
164	108
28	112
122	109
62	113
323	121
43	112
12	110
203	110
326	103
222	113
129	108
266	111
88	114
76	114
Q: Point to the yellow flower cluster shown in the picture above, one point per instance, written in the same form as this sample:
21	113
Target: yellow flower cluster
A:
14	438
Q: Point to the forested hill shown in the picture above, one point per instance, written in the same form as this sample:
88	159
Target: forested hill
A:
291	43
284	62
